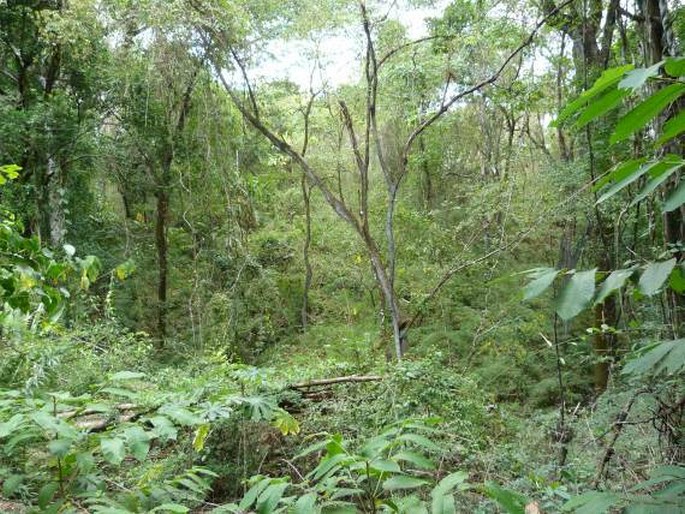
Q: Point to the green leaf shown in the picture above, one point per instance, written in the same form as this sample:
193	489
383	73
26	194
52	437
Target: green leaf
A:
447	484
443	504
12	484
180	415
659	173
269	499
126	375
645	111
511	501
305	504
253	493
328	465
420	440
385	466
591	503
200	437
597	108
672	128
59	447
615	281
121	392
619	172
46	494
113	450
576	294
138	441
636	78
608	79
12	425
53	424
418	460
171	507
677	280
655	275
675	66
164	428
627	176
544	277
665	357
402	482
675	199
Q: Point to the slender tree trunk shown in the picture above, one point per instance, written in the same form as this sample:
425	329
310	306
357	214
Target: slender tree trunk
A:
306	196
162	255
56	222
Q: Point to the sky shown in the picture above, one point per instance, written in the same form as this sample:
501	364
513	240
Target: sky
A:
339	54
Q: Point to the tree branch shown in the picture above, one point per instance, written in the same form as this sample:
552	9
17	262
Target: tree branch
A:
490	80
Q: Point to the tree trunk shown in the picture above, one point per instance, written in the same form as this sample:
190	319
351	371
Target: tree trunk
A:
306	196
162	256
56	222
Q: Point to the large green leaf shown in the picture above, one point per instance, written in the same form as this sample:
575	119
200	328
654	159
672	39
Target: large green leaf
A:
328	465
608	79
665	357
126	375
675	66
113	450
269	499
606	103
46	494
138	441
591	503
420	440
672	128
60	447
543	278
675	199
619	172
443	504
385	466
511	501
305	504
171	507
658	174
418	460
645	111
613	282
576	294
180	415
636	78
53	424
655	275
253	493
164	428
403	482
447	484
677	279
628	175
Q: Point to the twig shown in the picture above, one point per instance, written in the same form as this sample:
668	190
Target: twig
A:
336	380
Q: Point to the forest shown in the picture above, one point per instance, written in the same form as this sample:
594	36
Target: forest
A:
339	256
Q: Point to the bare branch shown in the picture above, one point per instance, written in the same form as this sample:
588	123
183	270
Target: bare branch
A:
490	80
248	84
392	52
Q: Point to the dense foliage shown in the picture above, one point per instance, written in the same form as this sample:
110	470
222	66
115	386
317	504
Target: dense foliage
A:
308	256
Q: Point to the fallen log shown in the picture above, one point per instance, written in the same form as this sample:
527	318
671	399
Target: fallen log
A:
337	380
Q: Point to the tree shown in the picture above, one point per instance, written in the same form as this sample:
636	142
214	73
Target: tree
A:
50	52
367	144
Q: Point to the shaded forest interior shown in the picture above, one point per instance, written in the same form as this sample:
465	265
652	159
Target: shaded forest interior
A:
342	256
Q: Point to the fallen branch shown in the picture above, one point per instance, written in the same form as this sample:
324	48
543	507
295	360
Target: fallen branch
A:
337	380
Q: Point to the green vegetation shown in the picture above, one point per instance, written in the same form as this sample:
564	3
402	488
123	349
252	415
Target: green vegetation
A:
442	274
